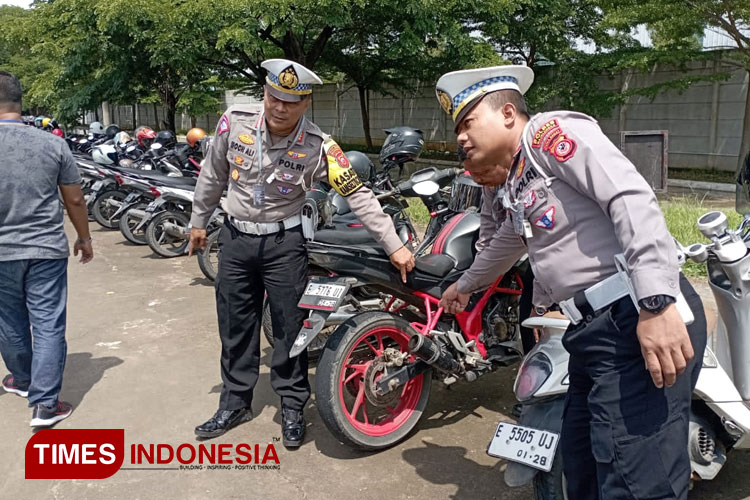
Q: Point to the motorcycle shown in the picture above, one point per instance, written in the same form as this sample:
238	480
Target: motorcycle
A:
374	377
720	411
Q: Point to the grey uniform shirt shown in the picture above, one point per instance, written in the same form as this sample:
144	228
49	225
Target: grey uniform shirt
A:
583	202
289	168
33	163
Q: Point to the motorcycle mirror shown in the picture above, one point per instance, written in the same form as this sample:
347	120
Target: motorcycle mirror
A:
742	203
426	188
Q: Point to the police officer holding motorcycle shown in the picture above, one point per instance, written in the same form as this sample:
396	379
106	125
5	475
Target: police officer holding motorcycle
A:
267	160
575	203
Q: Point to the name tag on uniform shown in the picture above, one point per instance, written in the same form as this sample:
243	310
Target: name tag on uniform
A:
259	195
527	229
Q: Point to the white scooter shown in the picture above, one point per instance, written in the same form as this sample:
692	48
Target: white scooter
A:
720	414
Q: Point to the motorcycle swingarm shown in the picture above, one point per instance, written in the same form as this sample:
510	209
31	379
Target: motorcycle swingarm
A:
400	377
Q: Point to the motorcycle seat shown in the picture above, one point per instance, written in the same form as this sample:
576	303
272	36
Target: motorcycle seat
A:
159	178
345	236
435	264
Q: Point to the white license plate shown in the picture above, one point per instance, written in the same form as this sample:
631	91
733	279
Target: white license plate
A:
96	185
328	291
152	206
533	447
131	197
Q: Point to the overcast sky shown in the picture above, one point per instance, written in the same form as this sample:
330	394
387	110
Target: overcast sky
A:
19	3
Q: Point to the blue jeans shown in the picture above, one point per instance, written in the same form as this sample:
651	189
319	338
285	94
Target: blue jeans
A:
33	297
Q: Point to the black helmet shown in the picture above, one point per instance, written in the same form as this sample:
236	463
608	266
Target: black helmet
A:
402	144
362	165
111	131
166	138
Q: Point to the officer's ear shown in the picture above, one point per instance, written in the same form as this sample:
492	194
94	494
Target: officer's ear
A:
510	114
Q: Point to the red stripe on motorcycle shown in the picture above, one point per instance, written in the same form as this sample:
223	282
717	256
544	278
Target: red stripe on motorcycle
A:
439	245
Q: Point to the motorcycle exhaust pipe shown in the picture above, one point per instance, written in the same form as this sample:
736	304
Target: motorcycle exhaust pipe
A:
431	353
175	231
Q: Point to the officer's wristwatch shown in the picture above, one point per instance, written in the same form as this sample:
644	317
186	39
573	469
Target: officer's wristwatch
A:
656	303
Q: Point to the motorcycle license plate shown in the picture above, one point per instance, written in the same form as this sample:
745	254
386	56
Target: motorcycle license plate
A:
96	185
152	206
533	447
131	197
323	296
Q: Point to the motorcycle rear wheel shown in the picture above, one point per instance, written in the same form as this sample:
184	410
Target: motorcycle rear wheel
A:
208	258
103	211
128	224
350	365
162	243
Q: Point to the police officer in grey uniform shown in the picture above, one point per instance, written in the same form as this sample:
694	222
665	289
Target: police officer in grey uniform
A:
267	160
576	202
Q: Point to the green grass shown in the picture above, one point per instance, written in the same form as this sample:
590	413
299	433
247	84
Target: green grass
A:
681	214
704	175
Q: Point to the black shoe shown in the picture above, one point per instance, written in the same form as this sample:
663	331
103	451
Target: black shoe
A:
222	421
10	385
44	416
292	427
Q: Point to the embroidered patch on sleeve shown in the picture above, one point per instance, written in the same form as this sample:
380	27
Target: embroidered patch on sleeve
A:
542	131
547	219
564	148
223	125
341	176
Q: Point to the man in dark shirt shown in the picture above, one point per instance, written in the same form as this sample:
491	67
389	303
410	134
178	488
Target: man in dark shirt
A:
34	255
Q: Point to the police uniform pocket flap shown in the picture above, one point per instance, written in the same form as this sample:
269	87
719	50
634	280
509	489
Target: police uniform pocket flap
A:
602	444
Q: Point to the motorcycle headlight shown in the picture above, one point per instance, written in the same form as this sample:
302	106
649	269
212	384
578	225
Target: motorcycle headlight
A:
534	372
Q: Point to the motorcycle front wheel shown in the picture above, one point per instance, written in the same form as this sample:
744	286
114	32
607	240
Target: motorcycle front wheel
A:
353	360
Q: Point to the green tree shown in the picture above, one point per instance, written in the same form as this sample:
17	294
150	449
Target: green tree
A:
676	25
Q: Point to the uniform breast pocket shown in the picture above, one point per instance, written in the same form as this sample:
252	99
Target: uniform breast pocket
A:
286	184
240	167
544	211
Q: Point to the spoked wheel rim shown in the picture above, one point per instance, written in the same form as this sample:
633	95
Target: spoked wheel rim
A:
362	366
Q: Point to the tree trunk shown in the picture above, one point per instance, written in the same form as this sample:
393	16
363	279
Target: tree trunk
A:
193	121
363	106
134	112
156	117
745	135
170	102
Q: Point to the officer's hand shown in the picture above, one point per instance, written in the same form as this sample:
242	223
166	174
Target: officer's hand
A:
197	240
454	301
403	260
665	344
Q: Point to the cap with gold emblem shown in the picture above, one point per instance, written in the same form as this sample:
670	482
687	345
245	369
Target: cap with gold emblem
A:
288	80
459	91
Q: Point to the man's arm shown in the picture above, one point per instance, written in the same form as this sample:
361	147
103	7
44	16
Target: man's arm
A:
596	168
210	186
342	177
69	182
487	227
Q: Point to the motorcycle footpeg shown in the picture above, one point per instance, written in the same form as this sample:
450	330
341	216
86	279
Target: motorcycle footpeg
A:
310	329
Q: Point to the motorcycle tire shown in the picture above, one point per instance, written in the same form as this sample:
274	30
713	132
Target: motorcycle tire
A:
314	350
350	364
162	243
85	191
551	485
208	258
127	225
103	211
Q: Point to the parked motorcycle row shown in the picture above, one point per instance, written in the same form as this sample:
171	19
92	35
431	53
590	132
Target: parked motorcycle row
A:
142	187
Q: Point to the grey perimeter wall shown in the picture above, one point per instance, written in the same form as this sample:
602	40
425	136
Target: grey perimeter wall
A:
704	122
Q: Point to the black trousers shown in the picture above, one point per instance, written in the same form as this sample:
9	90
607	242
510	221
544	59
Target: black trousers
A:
623	438
249	267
